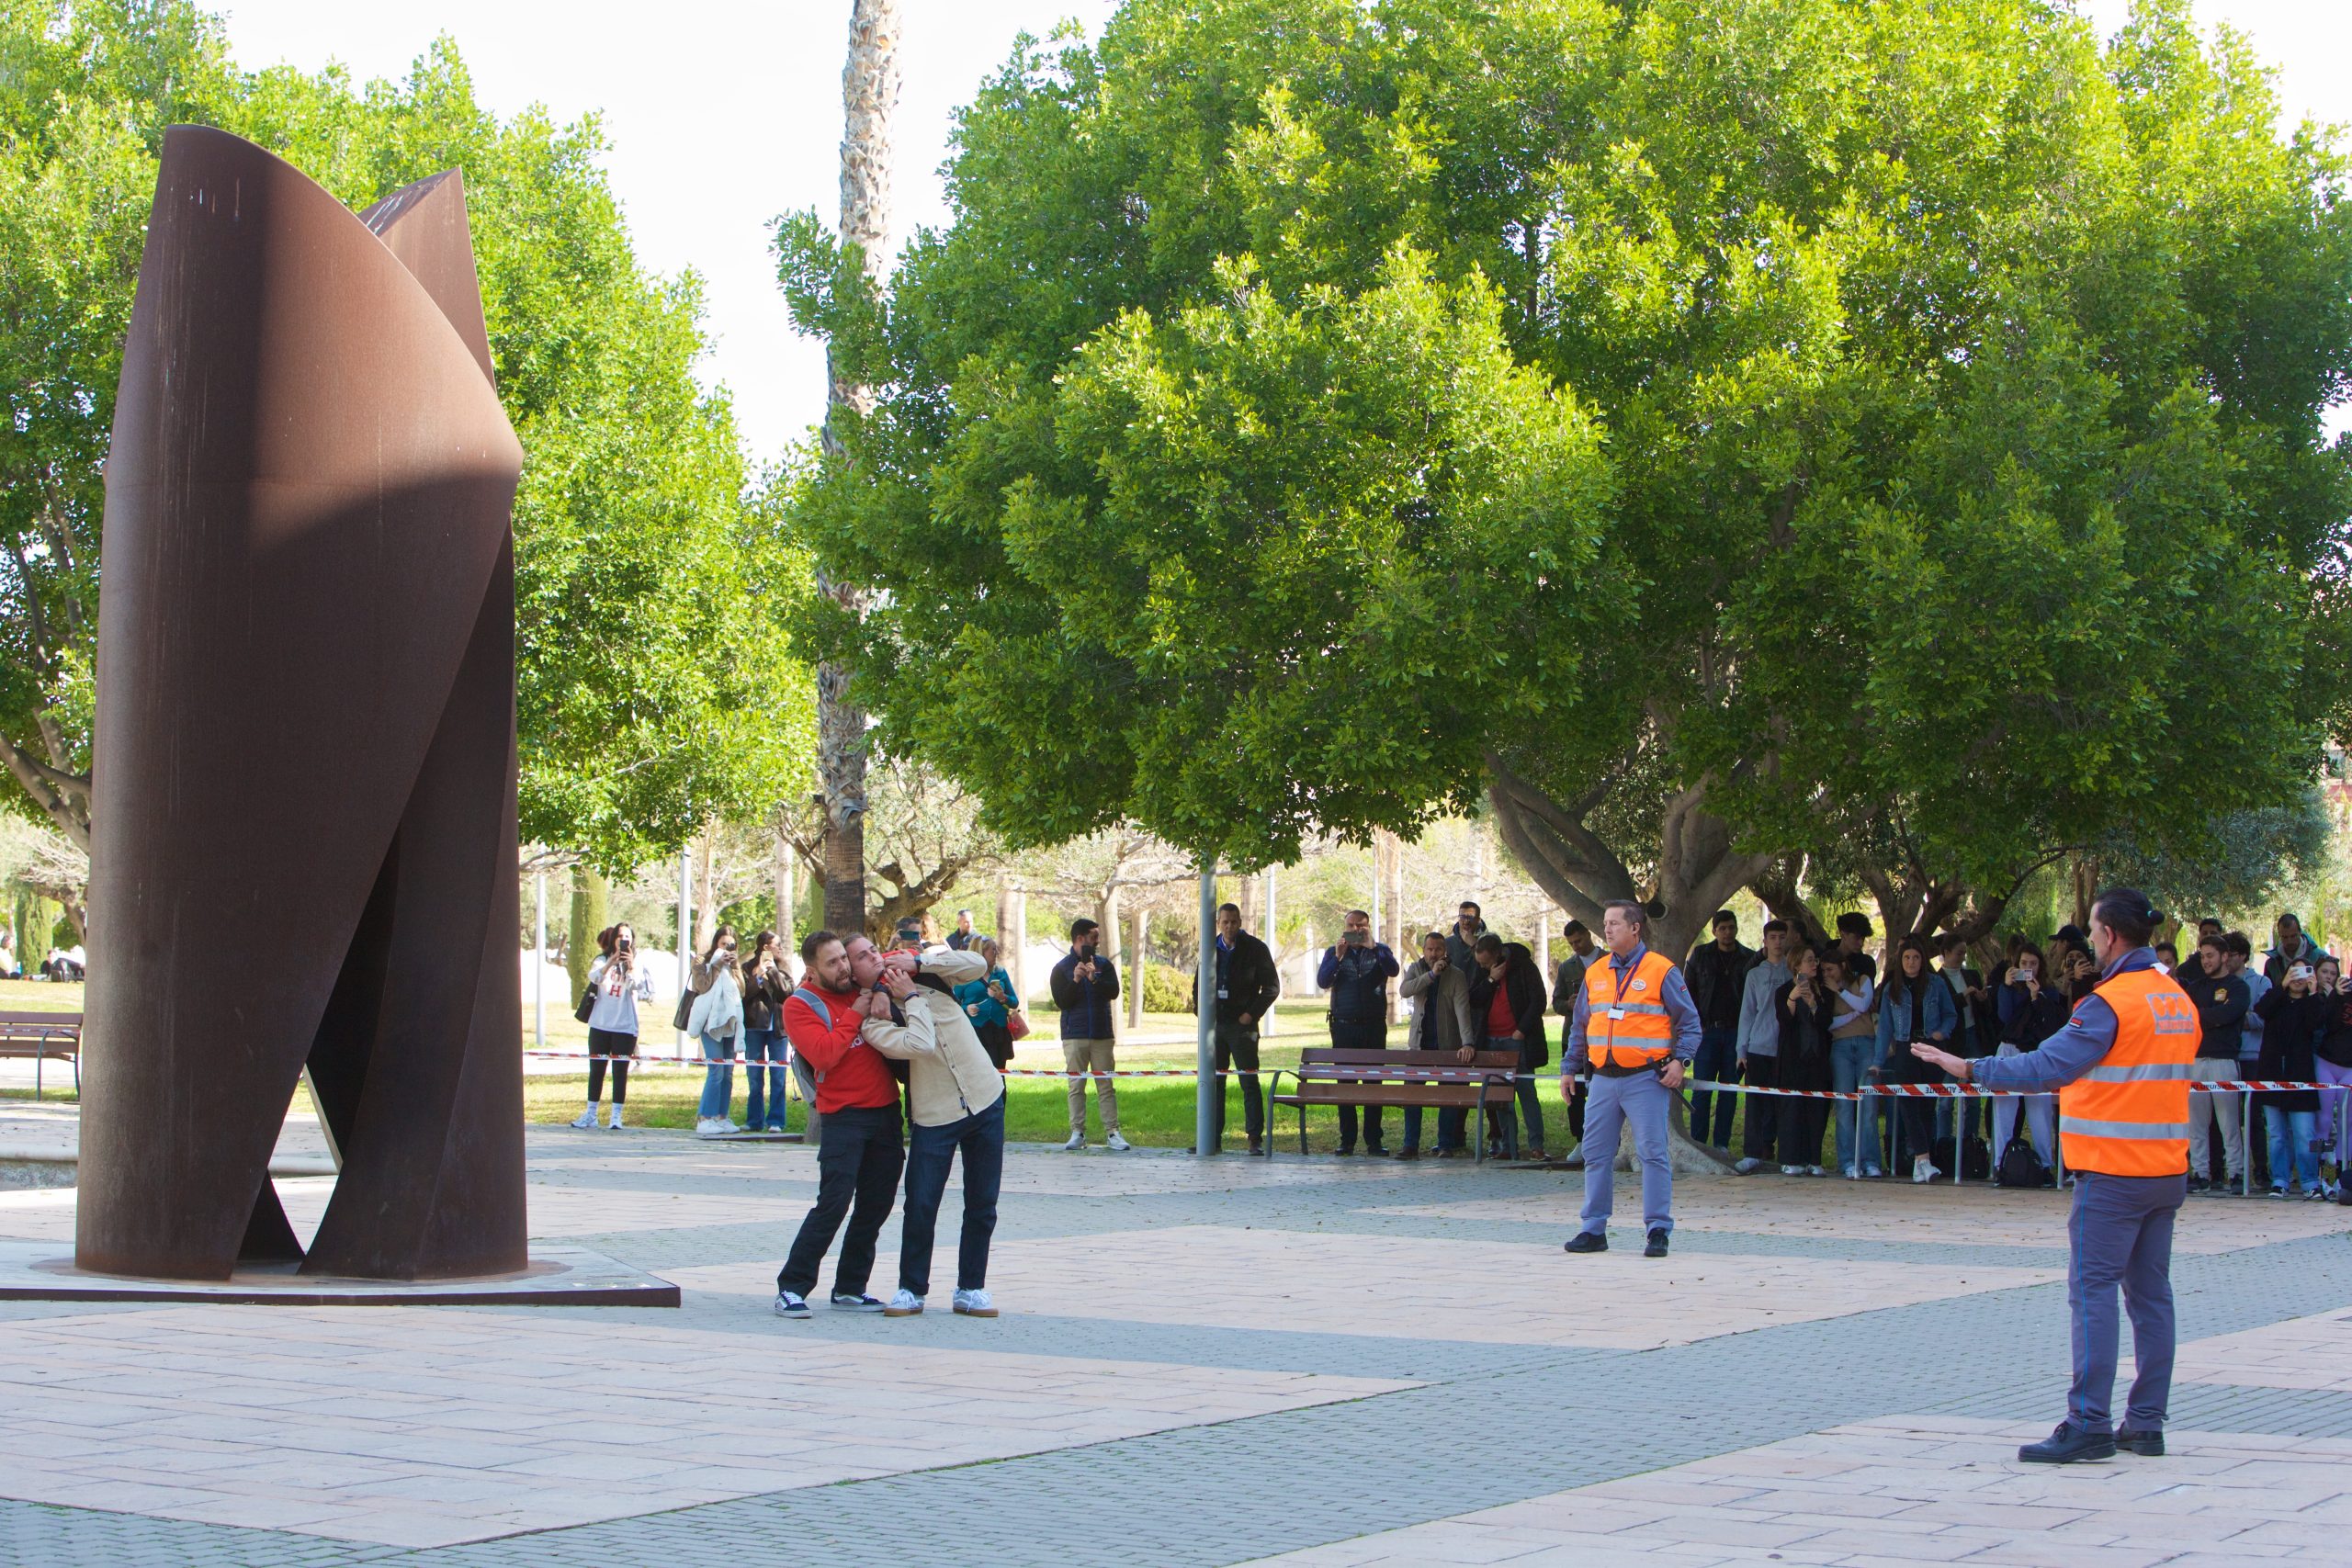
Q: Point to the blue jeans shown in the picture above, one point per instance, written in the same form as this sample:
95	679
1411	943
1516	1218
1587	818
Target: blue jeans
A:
2290	1146
1639	1101
1851	1061
1718	1062
765	1088
2121	1234
717	1081
980	1137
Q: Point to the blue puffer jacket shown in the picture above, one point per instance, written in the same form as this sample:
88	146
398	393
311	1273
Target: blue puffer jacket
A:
1085	1004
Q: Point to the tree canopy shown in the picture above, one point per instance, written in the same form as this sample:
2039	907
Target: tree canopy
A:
1724	429
655	685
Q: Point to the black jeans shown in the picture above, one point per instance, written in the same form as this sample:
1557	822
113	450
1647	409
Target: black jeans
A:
1718	1062
1760	1132
1369	1035
980	1139
1237	1046
859	1155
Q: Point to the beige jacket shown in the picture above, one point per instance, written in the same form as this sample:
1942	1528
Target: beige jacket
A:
949	1074
1443	1019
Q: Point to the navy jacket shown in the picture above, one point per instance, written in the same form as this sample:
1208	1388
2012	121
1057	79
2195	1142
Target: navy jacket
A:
1085	1005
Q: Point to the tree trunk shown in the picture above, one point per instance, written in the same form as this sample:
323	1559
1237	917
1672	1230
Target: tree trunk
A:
1777	886
705	917
589	894
869	99
787	865
1135	970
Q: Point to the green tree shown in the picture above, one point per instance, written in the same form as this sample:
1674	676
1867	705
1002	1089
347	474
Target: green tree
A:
589	892
1960	387
654	686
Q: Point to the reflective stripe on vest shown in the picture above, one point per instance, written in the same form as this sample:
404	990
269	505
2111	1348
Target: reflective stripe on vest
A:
1642	1036
2129	1116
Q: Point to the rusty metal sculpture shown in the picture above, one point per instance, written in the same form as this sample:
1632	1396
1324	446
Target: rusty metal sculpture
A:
303	833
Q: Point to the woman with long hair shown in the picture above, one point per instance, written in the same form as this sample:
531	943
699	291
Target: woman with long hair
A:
716	1020
766	983
619	984
2031	1010
1914	1006
1852	1050
1803	1005
989	1003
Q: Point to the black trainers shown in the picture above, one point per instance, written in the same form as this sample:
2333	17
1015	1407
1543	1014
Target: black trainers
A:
2069	1444
1657	1248
1586	1241
2147	1445
844	1301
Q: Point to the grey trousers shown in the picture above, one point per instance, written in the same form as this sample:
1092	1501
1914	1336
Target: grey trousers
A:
2121	1234
1640	1101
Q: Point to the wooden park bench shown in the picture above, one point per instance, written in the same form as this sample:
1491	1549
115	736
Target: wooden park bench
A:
45	1037
1434	1081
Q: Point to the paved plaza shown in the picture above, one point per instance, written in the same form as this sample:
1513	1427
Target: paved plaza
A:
1324	1361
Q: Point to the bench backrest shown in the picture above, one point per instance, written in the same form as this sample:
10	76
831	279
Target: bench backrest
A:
1320	1062
52	1027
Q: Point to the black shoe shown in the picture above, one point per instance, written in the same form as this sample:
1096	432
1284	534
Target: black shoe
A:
1376	1151
1586	1241
2147	1445
1657	1248
1407	1154
2199	1184
1345	1150
2069	1444
1257	1146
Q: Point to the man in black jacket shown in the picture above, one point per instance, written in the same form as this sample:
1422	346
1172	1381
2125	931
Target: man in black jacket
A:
1247	985
1717	974
1356	971
2222	1000
1084	985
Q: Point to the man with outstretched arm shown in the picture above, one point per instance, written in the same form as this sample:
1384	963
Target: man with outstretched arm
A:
1636	1023
2122	1065
859	1149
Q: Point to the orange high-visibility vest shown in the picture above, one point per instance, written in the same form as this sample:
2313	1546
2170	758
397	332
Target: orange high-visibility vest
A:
1642	1036
2129	1116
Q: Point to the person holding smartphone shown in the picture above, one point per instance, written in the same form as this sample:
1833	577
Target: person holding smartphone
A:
766	983
1356	971
619	984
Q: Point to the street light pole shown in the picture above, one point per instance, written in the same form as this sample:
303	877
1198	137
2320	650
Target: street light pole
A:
1205	1109
539	965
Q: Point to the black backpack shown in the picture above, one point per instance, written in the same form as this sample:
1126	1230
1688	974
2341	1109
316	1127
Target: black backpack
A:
1976	1159
2020	1165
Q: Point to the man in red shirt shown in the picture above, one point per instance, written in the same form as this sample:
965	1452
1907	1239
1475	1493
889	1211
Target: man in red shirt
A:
860	1148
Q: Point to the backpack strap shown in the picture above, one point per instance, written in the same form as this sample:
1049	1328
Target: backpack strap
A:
824	1015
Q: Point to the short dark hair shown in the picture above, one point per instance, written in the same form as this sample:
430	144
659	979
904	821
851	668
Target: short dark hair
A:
1472	905
1575	928
1488	943
1365	913
1723	915
2168	947
2215	940
815	943
2127	912
1641	917
1775	925
2238	945
1080	926
1949	941
1854	921
1233	909
2210	920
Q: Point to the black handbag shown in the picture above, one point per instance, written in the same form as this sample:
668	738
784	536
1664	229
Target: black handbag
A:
587	1004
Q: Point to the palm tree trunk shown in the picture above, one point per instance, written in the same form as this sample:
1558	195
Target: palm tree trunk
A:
869	97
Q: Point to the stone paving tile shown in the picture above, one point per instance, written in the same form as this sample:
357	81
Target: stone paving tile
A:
1524	1294
1945	1490
2312	1352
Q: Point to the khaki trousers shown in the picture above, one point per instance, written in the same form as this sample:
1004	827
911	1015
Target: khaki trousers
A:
1080	1057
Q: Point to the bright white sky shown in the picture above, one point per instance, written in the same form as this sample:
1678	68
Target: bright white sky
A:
723	114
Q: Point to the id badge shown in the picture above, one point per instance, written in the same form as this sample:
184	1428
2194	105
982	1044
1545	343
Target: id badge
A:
1221	994
1617	1015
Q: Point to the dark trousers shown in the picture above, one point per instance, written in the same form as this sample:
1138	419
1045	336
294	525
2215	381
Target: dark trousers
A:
980	1137
1717	1062
1237	1046
859	1156
2121	1234
1802	1122
1370	1035
1761	1133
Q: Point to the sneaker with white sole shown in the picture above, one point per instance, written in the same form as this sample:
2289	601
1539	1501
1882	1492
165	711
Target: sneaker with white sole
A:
1815	1170
843	1301
1923	1170
585	1119
1116	1143
1792	1170
715	1127
1751	1165
789	1305
974	1303
906	1303
1077	1141
614	1125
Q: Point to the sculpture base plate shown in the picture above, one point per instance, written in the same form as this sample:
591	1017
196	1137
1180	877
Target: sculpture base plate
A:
557	1276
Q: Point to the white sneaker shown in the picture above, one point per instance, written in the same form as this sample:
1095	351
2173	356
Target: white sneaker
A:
1077	1141
1815	1170
789	1305
1116	1143
586	1118
709	1127
1923	1170
906	1303
975	1304
1751	1165
1792	1170
614	1125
